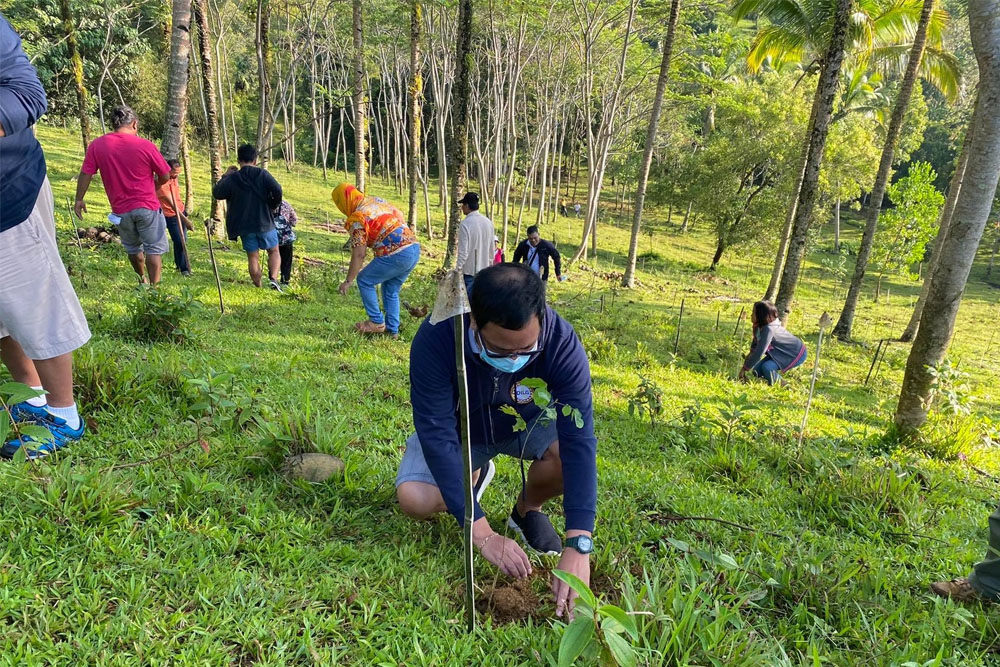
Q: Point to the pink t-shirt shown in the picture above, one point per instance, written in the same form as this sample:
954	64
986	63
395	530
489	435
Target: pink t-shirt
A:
127	163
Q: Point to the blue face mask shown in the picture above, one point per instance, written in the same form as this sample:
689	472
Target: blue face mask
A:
505	364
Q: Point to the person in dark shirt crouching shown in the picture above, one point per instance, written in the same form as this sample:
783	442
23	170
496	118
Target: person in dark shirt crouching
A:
512	336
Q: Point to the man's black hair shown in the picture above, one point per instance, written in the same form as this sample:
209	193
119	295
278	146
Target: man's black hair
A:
247	153
121	116
507	295
532	230
173	163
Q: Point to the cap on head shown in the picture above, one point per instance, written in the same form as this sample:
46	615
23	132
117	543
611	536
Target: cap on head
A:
471	199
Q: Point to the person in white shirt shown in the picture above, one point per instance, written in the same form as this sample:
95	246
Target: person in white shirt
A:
475	240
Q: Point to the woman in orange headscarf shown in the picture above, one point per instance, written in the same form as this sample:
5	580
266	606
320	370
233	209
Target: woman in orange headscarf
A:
374	223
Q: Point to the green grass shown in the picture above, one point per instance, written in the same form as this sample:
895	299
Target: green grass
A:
211	557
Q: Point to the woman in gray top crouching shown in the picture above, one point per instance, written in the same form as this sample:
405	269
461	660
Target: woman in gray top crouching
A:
774	350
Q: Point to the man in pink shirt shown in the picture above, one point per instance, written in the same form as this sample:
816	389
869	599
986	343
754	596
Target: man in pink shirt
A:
128	163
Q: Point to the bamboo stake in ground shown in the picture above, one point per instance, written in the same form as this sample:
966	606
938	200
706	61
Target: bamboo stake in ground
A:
824	322
739	321
215	267
452	302
680	317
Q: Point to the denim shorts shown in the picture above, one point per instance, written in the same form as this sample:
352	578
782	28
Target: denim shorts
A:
413	467
252	241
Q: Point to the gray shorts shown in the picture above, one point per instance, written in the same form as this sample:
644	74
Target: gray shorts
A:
144	231
413	467
38	307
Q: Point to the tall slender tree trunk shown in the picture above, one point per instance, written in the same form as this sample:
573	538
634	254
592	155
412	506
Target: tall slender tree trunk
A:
459	143
212	118
969	220
793	207
175	107
687	218
826	91
188	183
263	77
82	103
416	110
944	223
360	112
836	226
628	280
846	322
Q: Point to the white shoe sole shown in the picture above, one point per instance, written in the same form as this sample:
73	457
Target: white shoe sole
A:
487	477
524	540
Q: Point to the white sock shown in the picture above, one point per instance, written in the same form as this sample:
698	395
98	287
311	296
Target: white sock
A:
37	401
69	413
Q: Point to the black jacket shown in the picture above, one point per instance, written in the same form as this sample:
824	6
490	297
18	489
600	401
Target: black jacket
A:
545	251
252	195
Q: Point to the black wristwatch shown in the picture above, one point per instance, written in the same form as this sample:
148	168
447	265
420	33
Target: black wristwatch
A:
582	543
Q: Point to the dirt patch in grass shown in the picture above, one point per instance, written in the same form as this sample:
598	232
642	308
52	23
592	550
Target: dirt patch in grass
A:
312	261
510	602
521	600
334	227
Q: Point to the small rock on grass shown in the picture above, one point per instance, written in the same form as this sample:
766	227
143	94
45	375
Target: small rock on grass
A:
312	467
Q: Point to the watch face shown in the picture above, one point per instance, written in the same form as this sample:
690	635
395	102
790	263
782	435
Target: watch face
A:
584	544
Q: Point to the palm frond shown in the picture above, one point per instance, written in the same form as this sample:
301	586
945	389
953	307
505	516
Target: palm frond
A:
777	45
943	71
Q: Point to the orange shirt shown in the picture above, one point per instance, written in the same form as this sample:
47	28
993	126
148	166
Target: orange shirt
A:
163	194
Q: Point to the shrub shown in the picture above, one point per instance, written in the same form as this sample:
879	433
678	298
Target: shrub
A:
157	316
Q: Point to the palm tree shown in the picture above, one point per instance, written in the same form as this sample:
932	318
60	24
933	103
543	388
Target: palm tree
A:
176	103
647	155
972	209
69	30
459	143
844	325
211	100
798	31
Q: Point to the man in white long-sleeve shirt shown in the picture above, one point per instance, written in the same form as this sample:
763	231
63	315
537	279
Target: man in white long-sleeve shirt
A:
475	240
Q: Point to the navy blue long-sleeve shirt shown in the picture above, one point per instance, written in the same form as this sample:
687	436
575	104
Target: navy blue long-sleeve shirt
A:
562	365
22	102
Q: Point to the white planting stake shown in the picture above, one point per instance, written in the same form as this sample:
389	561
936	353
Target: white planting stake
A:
824	322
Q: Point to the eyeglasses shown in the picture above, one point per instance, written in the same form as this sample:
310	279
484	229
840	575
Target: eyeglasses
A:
506	355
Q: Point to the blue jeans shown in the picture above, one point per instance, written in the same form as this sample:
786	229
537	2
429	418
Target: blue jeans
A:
768	369
389	272
468	284
175	229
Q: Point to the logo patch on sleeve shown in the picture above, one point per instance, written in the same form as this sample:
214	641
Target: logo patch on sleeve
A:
521	394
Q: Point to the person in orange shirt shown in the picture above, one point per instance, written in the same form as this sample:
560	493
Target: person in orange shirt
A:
174	218
374	223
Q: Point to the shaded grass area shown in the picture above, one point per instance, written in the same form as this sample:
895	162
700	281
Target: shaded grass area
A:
212	557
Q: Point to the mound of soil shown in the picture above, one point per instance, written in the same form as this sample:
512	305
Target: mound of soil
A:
106	234
513	602
334	227
312	261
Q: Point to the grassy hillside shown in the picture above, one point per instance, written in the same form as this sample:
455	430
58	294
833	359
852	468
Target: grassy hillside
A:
209	556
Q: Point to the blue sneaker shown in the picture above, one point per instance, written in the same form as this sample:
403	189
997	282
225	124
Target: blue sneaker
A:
62	436
26	412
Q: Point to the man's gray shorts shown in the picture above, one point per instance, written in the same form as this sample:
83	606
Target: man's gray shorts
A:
144	231
413	467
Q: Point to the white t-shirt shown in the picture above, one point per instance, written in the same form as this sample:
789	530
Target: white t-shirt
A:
475	244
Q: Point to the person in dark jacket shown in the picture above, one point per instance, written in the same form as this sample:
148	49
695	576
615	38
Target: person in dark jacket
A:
253	196
536	253
774	350
512	336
